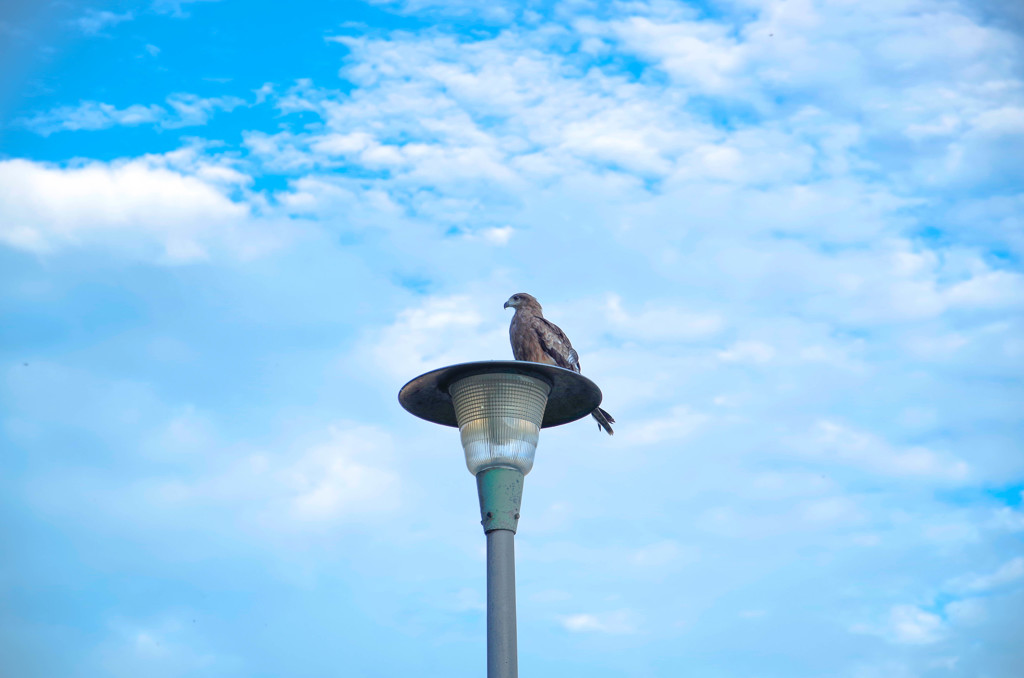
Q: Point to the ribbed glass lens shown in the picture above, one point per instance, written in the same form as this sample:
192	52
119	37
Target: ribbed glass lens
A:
499	419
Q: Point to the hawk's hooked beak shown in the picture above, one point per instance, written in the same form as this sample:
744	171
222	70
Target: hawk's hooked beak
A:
506	305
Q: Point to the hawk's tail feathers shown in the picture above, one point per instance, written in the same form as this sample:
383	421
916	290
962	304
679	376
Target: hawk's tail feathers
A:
604	420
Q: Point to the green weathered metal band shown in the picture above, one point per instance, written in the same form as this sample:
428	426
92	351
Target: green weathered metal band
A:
501	493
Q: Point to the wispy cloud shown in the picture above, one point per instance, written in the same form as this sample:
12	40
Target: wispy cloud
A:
677	424
182	110
1007	573
93	115
662	322
908	625
189	109
93	22
843	445
617	623
175	8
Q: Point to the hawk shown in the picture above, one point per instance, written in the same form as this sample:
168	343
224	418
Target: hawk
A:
538	340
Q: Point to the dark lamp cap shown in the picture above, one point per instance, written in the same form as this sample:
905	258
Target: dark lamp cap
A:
572	395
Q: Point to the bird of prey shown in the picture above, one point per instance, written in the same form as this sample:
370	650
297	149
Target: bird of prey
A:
541	341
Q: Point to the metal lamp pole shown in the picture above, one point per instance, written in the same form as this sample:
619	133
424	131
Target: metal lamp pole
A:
499	407
501	492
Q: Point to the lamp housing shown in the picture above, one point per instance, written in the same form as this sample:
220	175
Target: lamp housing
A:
500	406
499	416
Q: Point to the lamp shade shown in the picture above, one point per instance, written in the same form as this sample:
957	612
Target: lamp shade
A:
572	396
499	416
499	406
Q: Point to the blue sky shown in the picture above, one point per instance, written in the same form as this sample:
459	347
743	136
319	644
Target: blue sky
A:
785	236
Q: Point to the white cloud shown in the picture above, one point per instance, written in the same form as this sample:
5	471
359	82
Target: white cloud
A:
747	352
174	207
679	423
700	54
93	115
615	623
439	331
913	626
1008	519
543	120
661	322
1007	573
175	7
94	21
498	235
181	110
789	484
190	109
265	91
344	478
884	669
188	433
164	644
988	289
499	11
661	554
835	443
907	625
831	514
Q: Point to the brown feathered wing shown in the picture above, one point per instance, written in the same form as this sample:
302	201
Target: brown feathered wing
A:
541	341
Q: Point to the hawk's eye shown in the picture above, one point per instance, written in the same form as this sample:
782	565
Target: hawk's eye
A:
515	298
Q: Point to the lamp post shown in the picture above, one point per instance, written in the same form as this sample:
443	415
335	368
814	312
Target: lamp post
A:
499	407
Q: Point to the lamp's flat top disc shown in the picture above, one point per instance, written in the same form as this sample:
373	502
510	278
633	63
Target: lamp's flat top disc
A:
572	396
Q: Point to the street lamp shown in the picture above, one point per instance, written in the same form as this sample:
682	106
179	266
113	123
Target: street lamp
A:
499	407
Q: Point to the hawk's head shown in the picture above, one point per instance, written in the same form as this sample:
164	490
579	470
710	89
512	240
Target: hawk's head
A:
521	299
